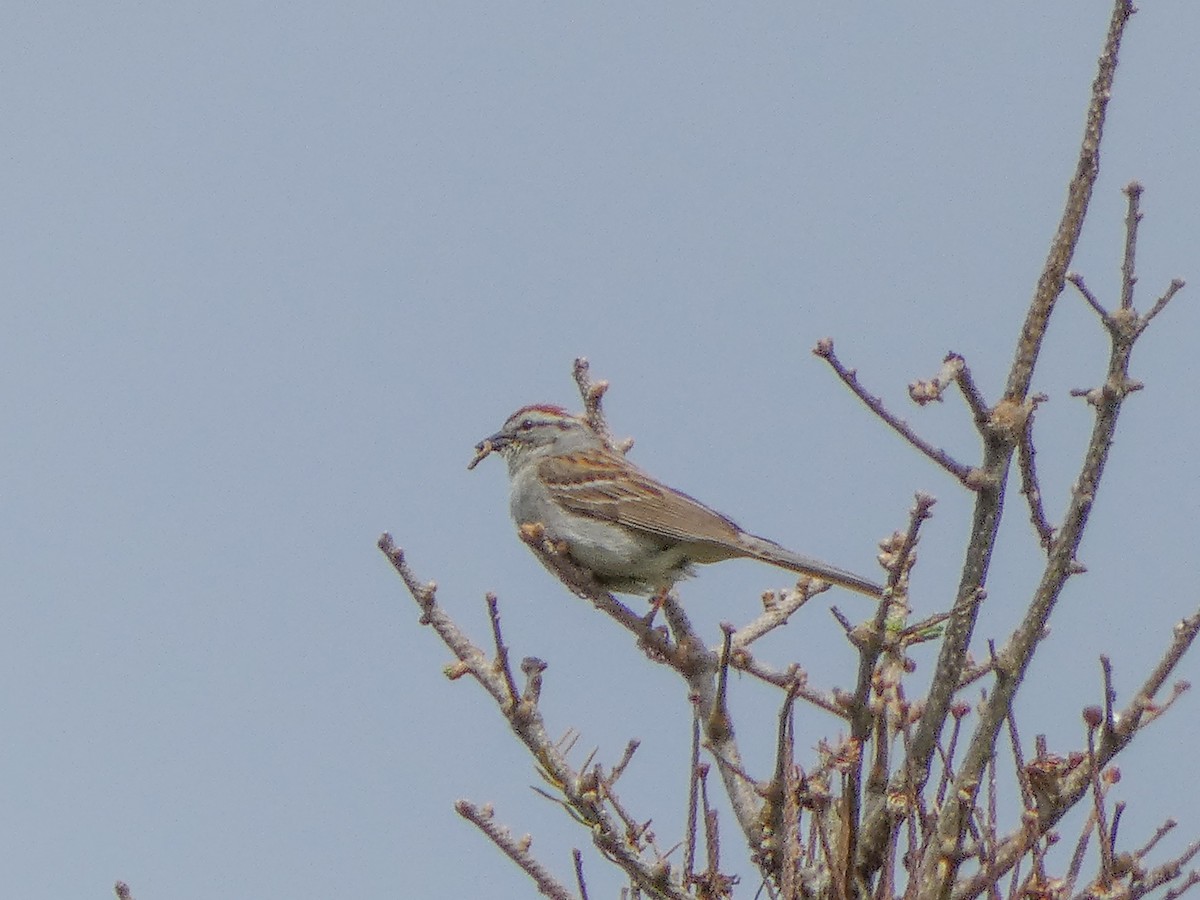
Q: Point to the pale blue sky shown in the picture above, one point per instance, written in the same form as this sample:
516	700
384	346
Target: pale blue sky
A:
272	272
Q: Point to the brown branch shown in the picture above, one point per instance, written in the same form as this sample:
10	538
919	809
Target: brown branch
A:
933	389
592	393
1161	303
526	722
688	656
1168	872
1079	779
516	849
1079	194
1129	721
718	721
1077	280
938	872
1103	835
502	665
1030	487
965	474
947	674
1161	832
778	608
580	581
471	657
1133	216
1124	320
787	823
624	761
580	881
989	829
980	411
880	637
689	847
793	678
953	371
1076	864
1014	737
1110	693
1193	878
705	674
532	668
957	713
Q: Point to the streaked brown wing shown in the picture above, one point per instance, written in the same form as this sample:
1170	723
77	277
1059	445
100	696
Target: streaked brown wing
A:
598	484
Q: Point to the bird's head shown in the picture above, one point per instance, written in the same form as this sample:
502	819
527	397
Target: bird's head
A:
537	429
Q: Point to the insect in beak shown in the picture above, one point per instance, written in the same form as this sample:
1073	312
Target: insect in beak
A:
482	450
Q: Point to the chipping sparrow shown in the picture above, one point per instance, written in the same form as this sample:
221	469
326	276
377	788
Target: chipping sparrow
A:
634	534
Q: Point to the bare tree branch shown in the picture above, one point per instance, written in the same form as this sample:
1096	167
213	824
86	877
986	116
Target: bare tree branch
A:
896	771
526	722
939	870
592	393
516	849
1030	486
964	474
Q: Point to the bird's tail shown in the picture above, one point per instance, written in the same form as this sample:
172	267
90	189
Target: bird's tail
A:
769	551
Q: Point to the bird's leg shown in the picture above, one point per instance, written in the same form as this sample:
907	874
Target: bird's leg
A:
656	602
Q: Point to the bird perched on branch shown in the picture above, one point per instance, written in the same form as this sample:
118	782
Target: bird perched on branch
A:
633	533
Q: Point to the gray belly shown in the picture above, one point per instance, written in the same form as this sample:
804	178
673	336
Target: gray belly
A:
622	560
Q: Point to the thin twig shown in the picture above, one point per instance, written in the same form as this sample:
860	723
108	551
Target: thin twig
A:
689	846
873	641
778	608
577	857
922	392
1079	194
947	755
1110	693
1130	718
1114	832
1076	864
937	872
1193	878
1133	216
1078	780
1019	761
592	393
502	665
938	878
701	669
516	849
718	721
619	768
1030	487
788	776
964	474
589	807
980	411
1077	280
1168	872
791	678
532	668
1161	832
1160	304
989	829
1102	832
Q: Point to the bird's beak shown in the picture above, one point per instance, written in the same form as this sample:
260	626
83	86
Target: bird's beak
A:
497	441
